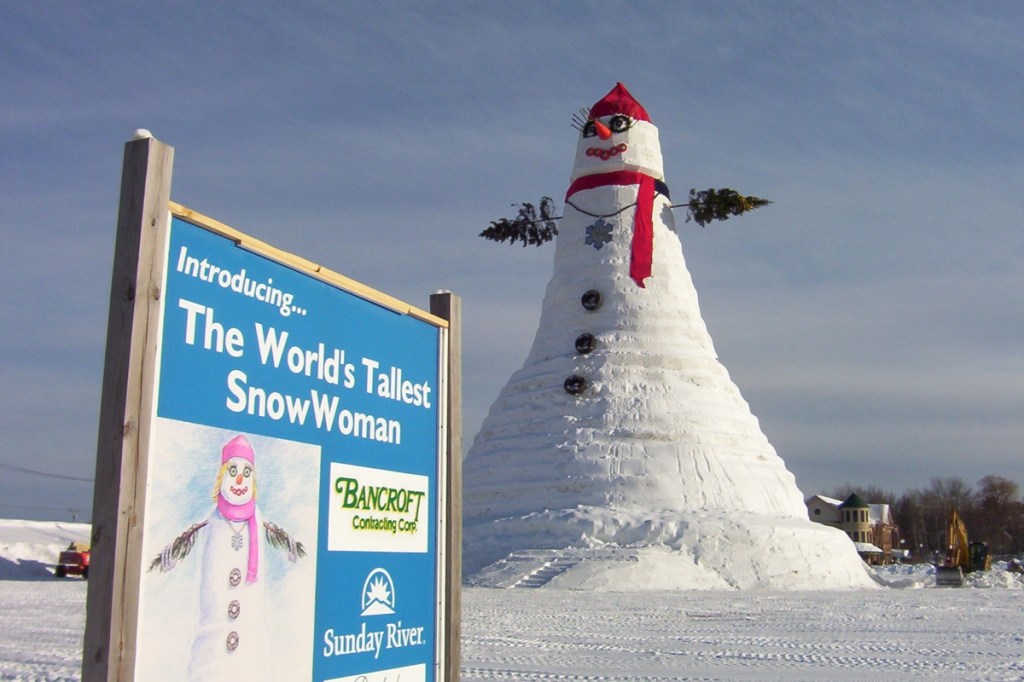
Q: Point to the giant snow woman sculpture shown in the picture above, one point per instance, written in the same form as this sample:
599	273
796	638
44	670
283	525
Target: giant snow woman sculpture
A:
622	455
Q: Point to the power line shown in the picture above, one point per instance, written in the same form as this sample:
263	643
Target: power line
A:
5	505
22	470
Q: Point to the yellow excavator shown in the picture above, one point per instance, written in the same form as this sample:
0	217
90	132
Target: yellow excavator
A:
961	556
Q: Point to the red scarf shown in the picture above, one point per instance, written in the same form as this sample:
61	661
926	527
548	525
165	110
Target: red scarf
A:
642	247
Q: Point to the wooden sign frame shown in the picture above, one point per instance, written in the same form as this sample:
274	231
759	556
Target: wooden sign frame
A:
127	413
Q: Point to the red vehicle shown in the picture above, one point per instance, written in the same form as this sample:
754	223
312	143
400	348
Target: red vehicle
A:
73	561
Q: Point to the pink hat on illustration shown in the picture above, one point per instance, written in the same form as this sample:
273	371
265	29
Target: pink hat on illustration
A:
238	447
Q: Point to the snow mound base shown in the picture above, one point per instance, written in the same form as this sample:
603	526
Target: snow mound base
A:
602	549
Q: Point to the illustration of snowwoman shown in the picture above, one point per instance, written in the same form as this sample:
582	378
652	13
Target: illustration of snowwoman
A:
231	639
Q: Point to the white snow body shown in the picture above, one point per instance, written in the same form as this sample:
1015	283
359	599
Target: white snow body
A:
228	604
660	451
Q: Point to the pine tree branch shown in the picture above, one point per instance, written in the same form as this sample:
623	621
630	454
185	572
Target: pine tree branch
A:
279	539
525	227
709	205
180	548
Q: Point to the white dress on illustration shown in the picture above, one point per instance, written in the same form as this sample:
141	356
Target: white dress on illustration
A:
231	639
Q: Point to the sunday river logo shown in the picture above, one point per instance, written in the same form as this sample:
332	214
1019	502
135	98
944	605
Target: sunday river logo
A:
378	593
377	599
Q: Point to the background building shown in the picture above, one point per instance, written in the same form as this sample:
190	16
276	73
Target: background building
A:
870	526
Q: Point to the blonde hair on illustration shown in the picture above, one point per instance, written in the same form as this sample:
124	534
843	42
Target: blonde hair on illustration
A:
220	481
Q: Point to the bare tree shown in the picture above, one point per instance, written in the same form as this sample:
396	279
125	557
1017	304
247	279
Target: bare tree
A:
909	513
872	494
999	514
923	515
954	492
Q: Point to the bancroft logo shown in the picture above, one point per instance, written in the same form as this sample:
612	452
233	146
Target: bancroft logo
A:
378	594
377	510
381	499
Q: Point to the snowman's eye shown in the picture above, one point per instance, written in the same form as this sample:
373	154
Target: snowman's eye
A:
589	130
620	123
233	470
247	472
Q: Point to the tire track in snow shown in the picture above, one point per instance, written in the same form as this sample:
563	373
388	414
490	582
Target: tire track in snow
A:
675	636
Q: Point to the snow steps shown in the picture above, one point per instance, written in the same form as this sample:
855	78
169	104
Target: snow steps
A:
546	573
551	565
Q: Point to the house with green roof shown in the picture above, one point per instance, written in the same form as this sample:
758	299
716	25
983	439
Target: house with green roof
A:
870	526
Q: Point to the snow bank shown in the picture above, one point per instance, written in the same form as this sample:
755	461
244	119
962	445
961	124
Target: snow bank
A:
29	549
917	576
905	576
999	576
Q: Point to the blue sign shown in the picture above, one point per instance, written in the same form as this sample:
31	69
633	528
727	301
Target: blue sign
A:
296	438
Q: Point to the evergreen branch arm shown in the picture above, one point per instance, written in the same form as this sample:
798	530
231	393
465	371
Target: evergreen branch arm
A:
280	539
527	227
709	205
177	550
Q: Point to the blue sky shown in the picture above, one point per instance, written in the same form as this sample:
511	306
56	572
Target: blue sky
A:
873	316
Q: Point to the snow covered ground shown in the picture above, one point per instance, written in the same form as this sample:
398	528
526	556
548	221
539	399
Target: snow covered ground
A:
910	631
947	634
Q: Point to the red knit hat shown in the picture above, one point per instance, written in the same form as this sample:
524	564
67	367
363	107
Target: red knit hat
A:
619	101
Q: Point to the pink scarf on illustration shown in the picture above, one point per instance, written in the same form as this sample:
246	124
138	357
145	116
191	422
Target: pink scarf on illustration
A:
244	512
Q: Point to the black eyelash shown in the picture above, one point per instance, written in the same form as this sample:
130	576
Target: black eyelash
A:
580	119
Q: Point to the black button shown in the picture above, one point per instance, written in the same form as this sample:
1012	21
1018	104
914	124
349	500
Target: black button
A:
585	343
575	385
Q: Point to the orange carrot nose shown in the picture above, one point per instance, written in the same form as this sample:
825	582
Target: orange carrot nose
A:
238	479
602	130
